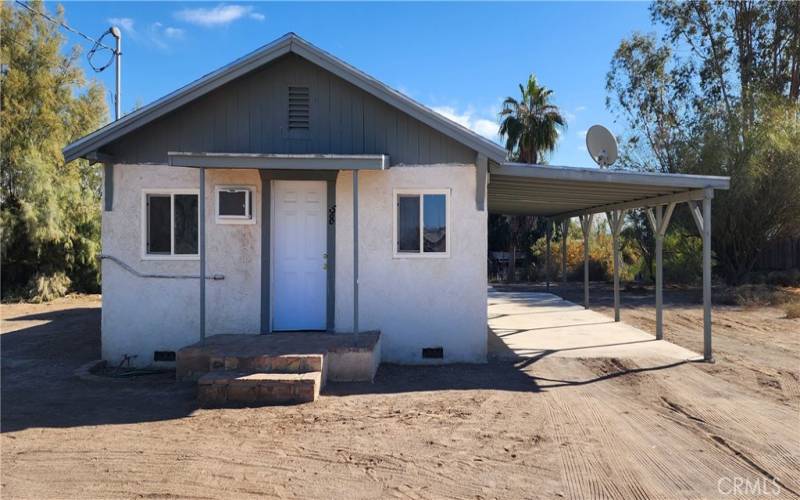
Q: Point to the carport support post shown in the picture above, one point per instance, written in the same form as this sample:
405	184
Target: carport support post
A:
202	243
564	234
709	194
659	273
660	223
547	251
615	218
586	227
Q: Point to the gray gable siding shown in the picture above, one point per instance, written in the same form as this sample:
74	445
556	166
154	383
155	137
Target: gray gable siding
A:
250	115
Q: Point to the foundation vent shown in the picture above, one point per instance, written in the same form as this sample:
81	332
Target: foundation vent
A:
299	109
164	356
432	352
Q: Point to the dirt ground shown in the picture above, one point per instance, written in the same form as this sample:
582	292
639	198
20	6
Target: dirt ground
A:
542	428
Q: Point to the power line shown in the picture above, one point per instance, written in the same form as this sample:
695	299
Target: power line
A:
65	26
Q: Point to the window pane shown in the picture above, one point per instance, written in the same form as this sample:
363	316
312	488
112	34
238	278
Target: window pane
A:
435	215
158	220
232	203
408	223
186	224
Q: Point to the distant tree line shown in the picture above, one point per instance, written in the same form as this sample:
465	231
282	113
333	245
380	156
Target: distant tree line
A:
717	94
49	209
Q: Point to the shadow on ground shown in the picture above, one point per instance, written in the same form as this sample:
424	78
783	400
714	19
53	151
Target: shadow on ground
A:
39	388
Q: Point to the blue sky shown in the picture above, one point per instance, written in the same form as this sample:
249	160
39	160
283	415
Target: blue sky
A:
460	59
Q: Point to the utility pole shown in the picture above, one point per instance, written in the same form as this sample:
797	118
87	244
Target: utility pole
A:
117	34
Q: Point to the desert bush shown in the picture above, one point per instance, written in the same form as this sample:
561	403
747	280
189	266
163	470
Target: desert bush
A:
601	258
44	288
756	295
792	310
784	278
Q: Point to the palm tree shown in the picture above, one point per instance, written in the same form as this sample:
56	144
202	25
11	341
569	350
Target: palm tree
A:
531	125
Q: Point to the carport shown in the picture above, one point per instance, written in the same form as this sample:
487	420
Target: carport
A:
561	193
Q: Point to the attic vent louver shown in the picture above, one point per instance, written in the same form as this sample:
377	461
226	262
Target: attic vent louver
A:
299	108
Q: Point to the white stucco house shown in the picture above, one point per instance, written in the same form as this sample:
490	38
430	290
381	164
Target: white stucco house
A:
229	207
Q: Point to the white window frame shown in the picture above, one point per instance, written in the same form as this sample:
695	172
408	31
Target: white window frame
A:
396	193
171	193
250	202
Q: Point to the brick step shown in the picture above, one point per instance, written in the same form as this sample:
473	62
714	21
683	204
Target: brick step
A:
222	389
192	363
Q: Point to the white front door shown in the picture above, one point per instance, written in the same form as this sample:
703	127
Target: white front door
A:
299	255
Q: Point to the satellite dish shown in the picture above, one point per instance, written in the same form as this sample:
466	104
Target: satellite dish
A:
602	145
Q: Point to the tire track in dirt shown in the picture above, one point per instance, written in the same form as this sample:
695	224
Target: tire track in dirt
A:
656	441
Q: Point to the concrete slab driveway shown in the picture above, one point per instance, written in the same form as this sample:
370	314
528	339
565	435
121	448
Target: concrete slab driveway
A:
533	324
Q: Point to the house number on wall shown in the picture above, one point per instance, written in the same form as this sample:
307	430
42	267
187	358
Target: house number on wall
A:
332	215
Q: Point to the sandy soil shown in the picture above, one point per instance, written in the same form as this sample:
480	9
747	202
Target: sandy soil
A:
551	428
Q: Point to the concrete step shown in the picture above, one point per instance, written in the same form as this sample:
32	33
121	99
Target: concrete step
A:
233	389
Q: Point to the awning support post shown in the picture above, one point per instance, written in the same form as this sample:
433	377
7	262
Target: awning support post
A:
660	222
703	222
707	275
586	227
547	251
202	244
615	220
564	235
355	252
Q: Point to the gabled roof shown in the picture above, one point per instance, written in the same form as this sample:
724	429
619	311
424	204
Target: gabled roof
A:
289	43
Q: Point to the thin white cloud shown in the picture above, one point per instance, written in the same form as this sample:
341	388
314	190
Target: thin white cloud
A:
580	108
221	15
125	23
469	119
171	32
155	34
582	133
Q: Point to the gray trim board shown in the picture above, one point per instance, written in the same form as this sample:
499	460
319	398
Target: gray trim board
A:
267	176
284	45
108	186
279	161
481	178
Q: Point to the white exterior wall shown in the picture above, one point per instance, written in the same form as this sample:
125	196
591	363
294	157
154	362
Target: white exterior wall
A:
414	302
142	315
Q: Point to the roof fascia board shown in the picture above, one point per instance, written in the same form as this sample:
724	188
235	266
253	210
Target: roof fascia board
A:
574	174
279	161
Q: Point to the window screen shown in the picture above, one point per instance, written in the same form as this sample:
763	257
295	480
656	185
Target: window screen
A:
435	218
186	224
172	224
159	235
234	203
408	223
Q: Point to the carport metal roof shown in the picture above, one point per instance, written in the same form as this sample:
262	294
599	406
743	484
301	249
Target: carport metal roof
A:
562	192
